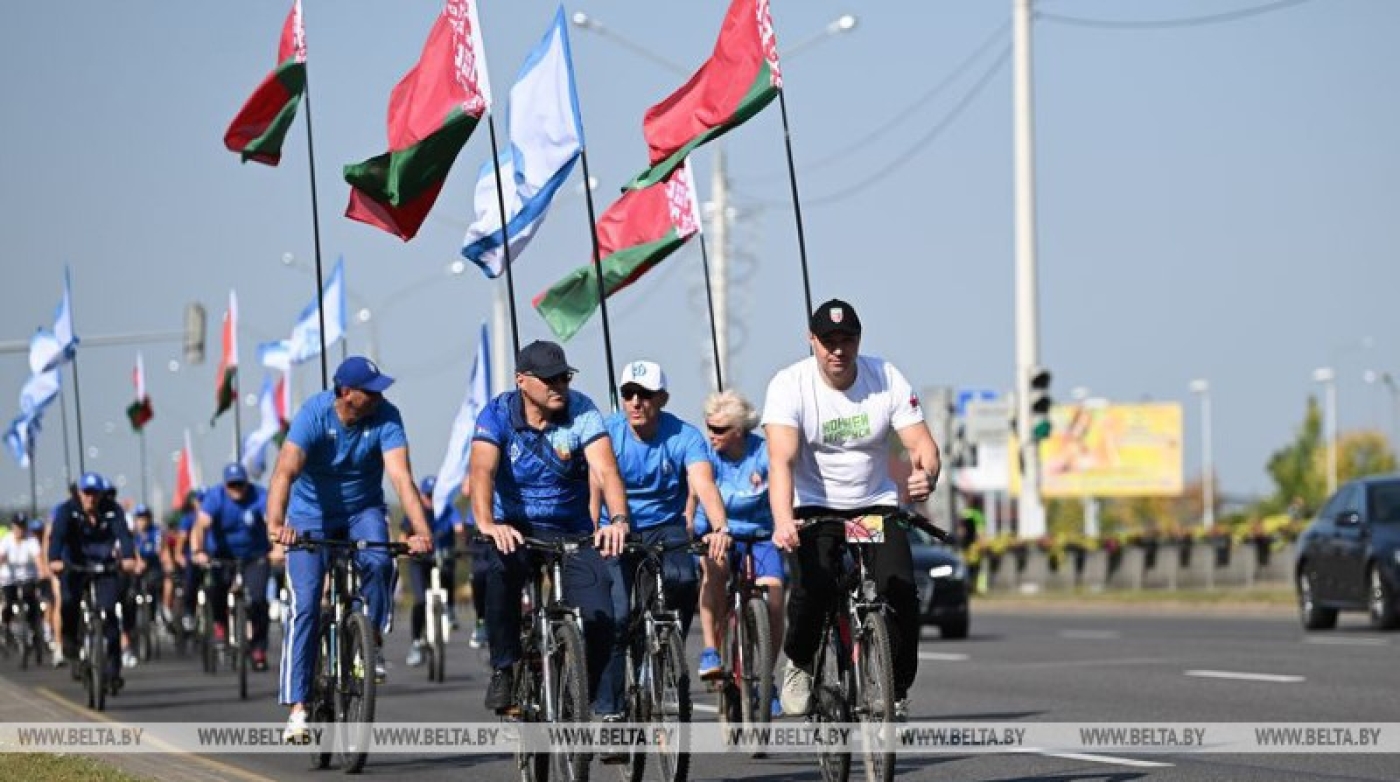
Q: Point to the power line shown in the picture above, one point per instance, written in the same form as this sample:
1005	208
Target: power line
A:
918	146
1160	24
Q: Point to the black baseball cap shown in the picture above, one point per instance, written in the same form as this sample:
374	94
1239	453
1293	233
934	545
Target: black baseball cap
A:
832	316
542	359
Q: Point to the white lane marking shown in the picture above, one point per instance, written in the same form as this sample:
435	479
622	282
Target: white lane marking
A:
1091	635
947	657
1347	641
1277	678
1117	761
705	707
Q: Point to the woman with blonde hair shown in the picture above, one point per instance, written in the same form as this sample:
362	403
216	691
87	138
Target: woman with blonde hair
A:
740	461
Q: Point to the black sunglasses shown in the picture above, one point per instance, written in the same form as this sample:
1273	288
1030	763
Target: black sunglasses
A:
628	393
718	429
553	380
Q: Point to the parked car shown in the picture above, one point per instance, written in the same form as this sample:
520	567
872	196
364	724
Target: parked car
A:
940	575
1348	558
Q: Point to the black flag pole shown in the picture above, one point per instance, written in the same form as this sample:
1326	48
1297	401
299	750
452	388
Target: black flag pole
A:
33	479
598	275
237	416
67	454
505	234
316	236
710	302
796	206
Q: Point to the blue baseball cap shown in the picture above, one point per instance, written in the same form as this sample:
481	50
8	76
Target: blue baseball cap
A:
428	484
141	510
91	481
36	525
234	473
363	374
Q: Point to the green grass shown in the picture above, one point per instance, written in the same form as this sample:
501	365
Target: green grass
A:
59	768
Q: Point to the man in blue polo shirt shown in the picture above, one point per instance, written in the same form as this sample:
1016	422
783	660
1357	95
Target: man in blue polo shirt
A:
662	460
553	441
329	484
232	524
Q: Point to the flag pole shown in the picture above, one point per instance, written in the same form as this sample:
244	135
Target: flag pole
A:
33	481
78	414
505	232
67	455
316	234
237	418
710	302
598	275
145	469
796	205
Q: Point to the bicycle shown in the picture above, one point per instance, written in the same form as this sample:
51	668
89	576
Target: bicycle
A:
853	675
746	648
551	677
236	640
23	622
658	682
437	619
144	603
343	687
91	666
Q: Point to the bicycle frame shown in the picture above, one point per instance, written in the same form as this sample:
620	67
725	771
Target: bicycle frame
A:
538	638
858	596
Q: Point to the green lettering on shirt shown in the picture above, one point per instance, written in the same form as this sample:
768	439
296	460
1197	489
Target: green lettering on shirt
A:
839	430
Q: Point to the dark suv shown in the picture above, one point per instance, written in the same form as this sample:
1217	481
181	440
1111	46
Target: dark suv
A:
1348	559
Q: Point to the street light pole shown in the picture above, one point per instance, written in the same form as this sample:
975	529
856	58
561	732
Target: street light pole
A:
1328	378
1029	509
1202	388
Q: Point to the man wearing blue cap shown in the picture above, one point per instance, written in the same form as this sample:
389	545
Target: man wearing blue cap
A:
149	574
232	524
91	530
446	527
328	483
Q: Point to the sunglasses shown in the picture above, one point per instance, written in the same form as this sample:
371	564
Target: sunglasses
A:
719	429
554	380
236	485
629	393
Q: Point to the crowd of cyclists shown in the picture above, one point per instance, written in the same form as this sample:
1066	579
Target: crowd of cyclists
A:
545	463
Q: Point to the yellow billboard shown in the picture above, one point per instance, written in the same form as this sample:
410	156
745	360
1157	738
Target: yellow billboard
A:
1111	451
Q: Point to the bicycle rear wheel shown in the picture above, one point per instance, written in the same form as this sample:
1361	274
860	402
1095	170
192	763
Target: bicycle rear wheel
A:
206	637
830	707
876	707
143	628
437	647
357	679
570	677
669	709
757	656
238	638
97	668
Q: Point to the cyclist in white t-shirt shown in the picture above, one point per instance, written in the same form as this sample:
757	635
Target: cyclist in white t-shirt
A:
828	419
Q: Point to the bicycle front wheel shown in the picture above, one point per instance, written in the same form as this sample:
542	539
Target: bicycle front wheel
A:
758	663
323	699
570	677
238	637
357	655
97	668
830	707
143	628
670	707
875	708
437	634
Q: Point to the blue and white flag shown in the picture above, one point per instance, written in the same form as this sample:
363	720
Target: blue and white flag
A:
63	330
305	342
459	445
546	137
42	386
255	444
276	355
19	438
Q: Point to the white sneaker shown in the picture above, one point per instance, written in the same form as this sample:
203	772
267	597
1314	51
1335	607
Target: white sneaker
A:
296	731
129	660
796	695
415	655
381	671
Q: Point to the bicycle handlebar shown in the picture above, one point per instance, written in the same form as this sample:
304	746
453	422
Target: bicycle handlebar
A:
907	517
565	545
307	544
93	568
635	545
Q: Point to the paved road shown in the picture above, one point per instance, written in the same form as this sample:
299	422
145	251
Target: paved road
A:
1018	667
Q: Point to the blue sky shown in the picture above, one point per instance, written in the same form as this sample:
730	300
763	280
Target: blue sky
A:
1215	201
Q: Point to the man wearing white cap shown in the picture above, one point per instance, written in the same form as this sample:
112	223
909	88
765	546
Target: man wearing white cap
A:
662	460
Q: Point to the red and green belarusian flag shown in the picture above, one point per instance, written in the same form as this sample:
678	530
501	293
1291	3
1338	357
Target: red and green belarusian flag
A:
636	233
739	79
432	113
140	412
186	474
261	125
226	381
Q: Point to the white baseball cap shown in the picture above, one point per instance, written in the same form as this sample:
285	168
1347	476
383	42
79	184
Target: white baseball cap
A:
646	374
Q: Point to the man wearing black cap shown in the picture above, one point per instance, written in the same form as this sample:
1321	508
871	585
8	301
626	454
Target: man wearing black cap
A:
533	455
91	530
329	484
828	418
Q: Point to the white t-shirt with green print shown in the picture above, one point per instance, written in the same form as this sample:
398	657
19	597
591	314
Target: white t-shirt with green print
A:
843	458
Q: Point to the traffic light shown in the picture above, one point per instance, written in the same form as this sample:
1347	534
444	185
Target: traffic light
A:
194	333
1039	396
